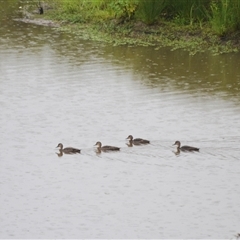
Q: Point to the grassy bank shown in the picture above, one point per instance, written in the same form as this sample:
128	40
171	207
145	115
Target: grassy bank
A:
193	25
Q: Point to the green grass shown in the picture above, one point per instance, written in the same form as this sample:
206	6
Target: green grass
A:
225	16
150	10
188	24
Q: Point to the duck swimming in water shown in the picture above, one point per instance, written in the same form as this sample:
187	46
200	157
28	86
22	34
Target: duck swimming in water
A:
67	150
185	148
105	148
137	141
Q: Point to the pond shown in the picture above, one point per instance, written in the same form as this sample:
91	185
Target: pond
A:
56	88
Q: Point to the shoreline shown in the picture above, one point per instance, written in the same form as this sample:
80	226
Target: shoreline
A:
38	21
135	33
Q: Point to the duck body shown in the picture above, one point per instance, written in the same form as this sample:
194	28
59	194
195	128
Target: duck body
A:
185	148
137	141
40	10
106	148
68	150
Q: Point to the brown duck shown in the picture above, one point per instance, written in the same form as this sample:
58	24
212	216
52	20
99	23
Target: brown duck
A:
185	148
67	150
137	141
105	148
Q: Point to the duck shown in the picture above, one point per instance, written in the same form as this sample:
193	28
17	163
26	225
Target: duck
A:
185	148
105	148
67	150
137	141
40	10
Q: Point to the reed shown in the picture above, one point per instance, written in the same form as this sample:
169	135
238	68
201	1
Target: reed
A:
225	16
149	10
189	11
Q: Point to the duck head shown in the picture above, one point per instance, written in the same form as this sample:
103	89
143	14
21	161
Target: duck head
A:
130	137
98	144
177	143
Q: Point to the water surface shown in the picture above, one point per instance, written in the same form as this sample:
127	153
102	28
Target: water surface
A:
55	87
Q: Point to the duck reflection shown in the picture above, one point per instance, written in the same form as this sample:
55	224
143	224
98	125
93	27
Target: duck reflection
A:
129	144
60	153
98	151
177	152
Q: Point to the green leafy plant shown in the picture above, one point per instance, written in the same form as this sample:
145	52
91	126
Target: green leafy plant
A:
124	8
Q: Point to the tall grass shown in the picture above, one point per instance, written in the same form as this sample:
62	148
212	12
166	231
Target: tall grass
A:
225	16
189	11
81	10
150	10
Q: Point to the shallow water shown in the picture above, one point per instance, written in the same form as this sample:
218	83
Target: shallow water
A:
55	87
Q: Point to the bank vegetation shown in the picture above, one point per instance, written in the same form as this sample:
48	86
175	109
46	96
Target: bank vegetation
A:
194	25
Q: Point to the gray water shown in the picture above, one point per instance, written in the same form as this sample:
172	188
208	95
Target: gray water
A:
55	87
